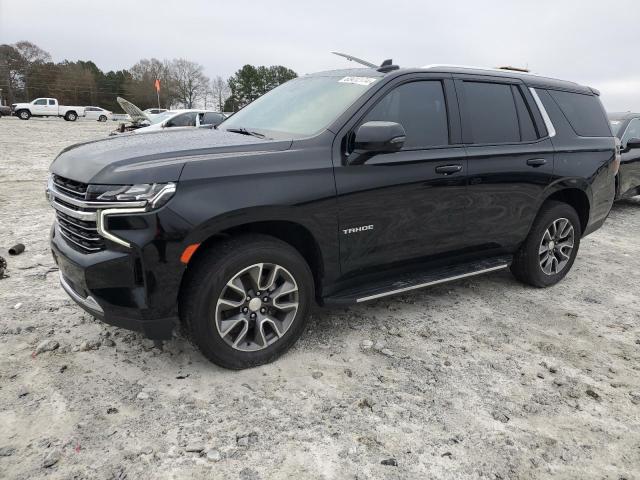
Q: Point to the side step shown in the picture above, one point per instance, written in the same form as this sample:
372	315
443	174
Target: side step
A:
417	280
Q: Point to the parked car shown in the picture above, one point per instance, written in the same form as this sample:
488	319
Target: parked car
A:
5	110
182	119
626	126
46	107
97	113
338	188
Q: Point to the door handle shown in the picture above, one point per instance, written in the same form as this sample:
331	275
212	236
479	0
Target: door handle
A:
448	169
536	162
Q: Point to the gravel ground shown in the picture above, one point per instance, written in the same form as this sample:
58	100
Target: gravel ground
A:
484	378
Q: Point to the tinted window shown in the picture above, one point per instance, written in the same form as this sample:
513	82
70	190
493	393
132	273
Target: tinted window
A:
632	131
527	129
52	102
211	119
492	112
184	120
40	101
584	113
420	108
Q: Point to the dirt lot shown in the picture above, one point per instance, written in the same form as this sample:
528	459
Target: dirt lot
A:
476	379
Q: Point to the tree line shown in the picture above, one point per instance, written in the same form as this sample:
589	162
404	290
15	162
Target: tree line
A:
27	72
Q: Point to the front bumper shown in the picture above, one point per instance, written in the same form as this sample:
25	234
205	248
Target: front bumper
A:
133	288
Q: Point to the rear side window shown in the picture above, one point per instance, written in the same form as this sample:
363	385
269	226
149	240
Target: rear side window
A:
491	110
52	102
420	108
583	112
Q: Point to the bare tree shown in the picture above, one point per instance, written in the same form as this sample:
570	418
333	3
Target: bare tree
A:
189	80
220	90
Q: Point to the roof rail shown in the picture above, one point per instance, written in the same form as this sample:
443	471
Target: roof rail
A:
488	69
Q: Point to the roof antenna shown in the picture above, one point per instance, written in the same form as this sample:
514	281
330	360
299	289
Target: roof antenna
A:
351	58
387	66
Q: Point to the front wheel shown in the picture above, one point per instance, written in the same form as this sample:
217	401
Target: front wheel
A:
24	114
549	251
247	300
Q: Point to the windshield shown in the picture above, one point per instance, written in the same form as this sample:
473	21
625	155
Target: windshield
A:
301	107
615	126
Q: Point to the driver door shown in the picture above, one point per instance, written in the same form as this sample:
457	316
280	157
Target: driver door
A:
409	204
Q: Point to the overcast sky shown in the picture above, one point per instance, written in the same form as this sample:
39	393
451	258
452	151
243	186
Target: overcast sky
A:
592	42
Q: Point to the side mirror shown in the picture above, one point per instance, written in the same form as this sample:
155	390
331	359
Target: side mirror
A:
379	137
633	143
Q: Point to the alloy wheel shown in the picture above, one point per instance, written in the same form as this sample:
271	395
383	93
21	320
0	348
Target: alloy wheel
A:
257	307
556	246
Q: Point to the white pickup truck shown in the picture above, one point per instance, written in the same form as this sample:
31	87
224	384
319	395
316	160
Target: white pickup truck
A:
46	107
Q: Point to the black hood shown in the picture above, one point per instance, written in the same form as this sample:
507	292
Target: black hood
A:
151	157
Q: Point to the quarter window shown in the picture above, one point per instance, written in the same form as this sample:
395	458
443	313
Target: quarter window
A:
52	102
420	108
491	112
584	113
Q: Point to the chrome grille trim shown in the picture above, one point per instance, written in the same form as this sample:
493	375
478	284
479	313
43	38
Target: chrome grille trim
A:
82	247
93	204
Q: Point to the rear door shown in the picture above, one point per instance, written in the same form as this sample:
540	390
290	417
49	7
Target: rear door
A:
510	159
404	205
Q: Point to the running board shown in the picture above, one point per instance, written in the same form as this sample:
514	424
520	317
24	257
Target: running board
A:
414	281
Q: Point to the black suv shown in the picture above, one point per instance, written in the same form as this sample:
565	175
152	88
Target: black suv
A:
338	187
626	126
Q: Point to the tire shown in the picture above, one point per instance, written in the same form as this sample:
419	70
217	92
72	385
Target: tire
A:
206	301
71	116
102	118
530	265
24	114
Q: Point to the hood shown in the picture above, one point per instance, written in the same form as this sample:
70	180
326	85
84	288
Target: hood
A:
154	157
134	112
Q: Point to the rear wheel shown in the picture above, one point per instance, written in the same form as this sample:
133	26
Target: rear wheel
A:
102	118
549	251
24	114
247	300
71	116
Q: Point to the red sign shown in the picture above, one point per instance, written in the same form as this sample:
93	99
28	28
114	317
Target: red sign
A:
157	85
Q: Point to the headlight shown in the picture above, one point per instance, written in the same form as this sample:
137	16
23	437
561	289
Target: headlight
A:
156	194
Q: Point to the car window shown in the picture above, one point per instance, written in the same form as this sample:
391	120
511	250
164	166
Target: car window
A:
210	118
584	113
632	131
40	101
184	120
420	108
52	102
491	111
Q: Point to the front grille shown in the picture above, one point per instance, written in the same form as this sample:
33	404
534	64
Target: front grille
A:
70	187
82	235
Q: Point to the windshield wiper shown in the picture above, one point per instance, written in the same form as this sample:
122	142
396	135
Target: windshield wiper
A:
244	131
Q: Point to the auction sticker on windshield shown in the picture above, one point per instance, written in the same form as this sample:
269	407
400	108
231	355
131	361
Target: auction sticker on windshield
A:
358	80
